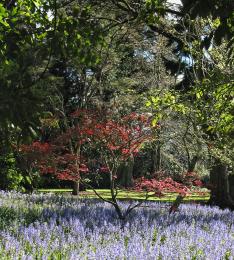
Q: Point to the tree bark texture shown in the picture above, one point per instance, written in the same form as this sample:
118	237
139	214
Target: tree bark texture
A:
76	188
156	158
222	186
125	173
192	164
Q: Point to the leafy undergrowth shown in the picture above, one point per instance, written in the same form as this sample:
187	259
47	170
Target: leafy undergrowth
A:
47	226
202	195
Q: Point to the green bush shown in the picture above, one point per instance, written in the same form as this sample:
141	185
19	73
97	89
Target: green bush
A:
11	177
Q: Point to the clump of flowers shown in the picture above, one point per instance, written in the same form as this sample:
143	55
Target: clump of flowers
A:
56	227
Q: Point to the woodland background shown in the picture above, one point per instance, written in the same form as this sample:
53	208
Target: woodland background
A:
172	62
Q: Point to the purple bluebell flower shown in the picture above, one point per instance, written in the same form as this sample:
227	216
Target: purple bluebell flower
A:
67	228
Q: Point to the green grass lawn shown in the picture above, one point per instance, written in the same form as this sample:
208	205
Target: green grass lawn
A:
131	195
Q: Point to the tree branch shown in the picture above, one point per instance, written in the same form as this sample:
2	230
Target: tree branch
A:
165	34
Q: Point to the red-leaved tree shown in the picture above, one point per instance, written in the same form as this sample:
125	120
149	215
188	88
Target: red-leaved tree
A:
114	139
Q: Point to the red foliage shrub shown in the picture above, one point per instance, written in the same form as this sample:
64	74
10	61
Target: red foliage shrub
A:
160	186
191	179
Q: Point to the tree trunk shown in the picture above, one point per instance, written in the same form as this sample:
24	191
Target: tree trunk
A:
222	186
76	188
126	173
156	158
76	184
192	163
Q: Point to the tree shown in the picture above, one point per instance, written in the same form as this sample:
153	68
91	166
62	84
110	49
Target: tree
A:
35	36
214	104
212	91
114	140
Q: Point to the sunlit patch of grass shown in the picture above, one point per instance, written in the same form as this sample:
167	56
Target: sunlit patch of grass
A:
131	195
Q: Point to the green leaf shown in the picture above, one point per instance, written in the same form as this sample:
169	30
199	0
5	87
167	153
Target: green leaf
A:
199	94
28	179
148	103
4	23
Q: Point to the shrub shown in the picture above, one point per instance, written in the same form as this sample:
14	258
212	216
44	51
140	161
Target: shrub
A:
11	178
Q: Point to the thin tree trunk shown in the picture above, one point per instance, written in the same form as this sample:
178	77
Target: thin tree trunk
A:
126	173
156	158
76	188
192	163
76	184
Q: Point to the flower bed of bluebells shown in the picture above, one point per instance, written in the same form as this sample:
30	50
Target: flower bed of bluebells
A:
40	226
